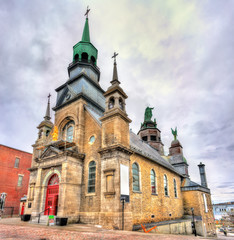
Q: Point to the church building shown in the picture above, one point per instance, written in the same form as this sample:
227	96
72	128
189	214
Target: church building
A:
89	167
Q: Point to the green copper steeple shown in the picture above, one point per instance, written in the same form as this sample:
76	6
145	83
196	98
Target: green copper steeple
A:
85	36
84	51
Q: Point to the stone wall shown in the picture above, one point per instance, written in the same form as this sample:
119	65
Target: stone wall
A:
148	207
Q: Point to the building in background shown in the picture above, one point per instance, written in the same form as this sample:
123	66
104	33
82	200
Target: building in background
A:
14	166
88	163
223	210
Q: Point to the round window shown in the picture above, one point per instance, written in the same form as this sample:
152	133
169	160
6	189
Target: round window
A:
91	140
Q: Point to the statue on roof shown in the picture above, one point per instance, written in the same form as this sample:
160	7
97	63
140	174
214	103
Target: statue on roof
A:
174	133
148	114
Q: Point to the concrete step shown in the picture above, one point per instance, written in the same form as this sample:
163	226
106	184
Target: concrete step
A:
43	219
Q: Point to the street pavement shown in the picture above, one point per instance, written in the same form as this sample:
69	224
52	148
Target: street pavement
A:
13	228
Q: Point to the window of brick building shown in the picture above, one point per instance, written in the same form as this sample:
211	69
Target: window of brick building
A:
20	180
16	162
92	177
135	177
153	181
165	185
175	188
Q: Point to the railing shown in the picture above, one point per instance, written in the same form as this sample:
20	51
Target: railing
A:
7	212
43	212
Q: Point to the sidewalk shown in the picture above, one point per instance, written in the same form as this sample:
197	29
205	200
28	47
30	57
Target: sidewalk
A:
14	228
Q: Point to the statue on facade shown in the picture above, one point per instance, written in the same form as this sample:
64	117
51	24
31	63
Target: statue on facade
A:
55	134
174	133
148	114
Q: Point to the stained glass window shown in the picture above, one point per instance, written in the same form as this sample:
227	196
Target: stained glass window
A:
92	177
153	182
165	185
135	177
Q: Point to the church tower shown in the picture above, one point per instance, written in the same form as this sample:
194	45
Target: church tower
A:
62	152
177	158
150	133
115	156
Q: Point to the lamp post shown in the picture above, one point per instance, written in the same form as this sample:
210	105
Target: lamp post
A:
193	223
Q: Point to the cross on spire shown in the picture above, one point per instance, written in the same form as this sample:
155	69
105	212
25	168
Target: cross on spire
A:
114	56
49	97
87	12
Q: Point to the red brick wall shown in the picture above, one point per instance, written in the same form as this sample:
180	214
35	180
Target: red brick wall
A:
10	174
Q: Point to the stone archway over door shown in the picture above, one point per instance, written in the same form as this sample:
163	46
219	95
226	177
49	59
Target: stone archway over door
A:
52	195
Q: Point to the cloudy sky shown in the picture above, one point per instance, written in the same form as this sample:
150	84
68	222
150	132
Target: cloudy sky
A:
174	55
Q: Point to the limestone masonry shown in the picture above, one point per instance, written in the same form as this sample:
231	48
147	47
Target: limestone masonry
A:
89	167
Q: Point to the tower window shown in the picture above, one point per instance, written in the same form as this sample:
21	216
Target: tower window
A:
165	185
84	57
93	60
121	104
47	133
16	162
111	103
153	138
153	182
92	177
76	58
68	131
135	177
145	138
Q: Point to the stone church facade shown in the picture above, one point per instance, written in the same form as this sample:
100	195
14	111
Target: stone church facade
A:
87	161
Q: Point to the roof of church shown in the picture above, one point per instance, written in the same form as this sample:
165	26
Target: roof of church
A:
139	146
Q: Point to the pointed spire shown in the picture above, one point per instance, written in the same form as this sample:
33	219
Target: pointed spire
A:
115	73
47	116
85	36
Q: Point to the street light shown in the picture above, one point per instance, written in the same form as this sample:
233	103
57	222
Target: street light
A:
193	223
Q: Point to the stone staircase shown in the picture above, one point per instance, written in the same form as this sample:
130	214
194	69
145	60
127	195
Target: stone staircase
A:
43	220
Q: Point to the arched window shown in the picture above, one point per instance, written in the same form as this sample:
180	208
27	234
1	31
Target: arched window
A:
121	104
84	57
69	134
54	180
47	133
93	60
68	131
135	177
76	58
92	177
165	185
111	103
175	188
153	182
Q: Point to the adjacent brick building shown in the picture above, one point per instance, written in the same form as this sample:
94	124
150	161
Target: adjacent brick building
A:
88	162
14	166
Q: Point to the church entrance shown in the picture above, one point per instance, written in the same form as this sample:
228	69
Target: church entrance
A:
52	196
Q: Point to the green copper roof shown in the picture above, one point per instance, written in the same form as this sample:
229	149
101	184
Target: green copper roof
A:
84	50
85	36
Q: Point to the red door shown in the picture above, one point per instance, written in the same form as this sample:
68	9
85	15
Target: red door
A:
51	205
22	209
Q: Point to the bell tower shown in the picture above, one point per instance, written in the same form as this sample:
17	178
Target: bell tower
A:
150	133
115	122
115	155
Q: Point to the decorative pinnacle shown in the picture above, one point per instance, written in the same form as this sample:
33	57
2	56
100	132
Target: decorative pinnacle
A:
87	12
47	116
115	74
